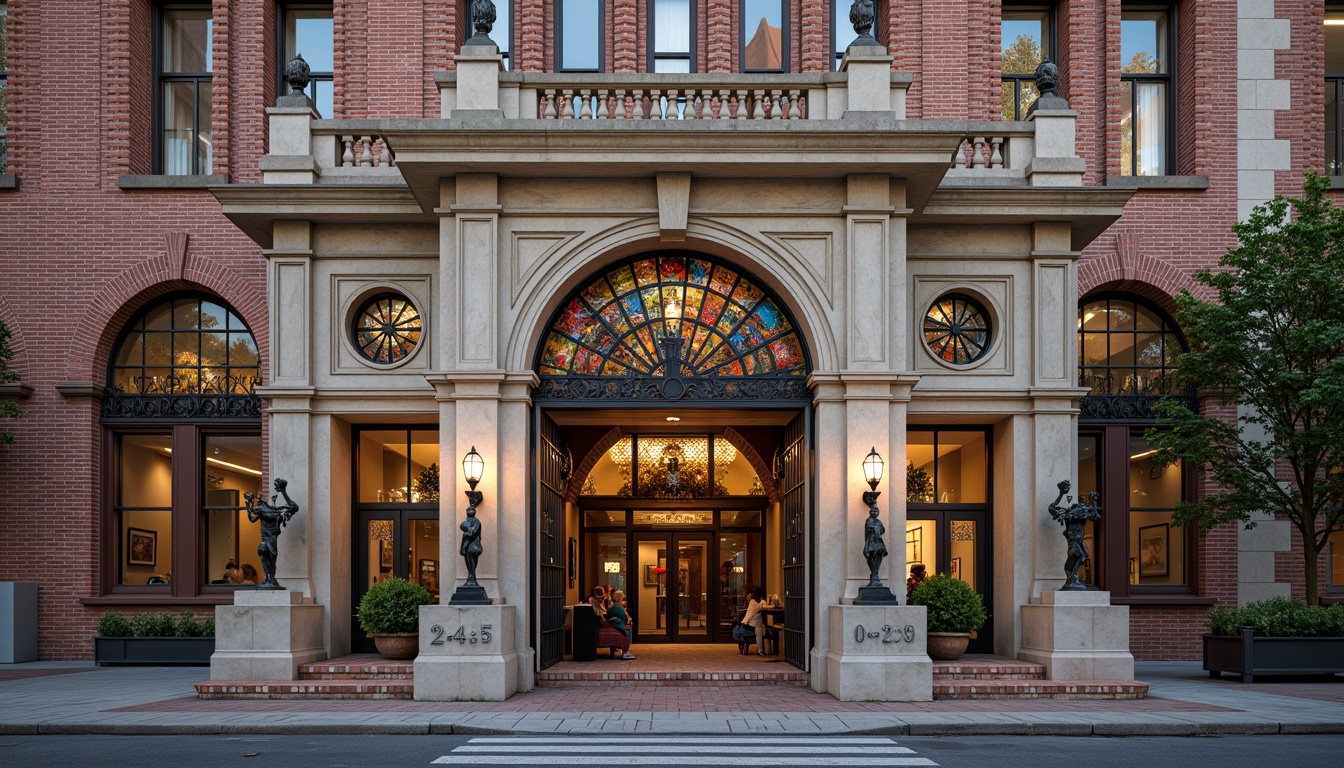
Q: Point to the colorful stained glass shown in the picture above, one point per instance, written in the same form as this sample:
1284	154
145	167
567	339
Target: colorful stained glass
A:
387	329
613	325
956	329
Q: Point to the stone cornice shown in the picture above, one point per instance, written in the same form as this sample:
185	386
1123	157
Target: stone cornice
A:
14	390
1088	210
255	208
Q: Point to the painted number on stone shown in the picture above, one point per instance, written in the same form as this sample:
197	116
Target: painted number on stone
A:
889	634
461	635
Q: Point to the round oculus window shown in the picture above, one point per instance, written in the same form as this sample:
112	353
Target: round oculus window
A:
956	329
387	329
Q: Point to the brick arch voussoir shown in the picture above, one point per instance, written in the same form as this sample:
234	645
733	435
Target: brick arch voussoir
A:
585	467
1145	276
19	362
91	344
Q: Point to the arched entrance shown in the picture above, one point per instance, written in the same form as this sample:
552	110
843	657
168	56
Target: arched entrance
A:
660	375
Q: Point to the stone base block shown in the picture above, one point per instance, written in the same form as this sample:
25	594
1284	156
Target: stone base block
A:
466	653
877	653
266	635
1077	636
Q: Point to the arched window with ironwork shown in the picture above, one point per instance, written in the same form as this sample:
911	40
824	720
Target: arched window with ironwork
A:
182	431
1127	351
672	326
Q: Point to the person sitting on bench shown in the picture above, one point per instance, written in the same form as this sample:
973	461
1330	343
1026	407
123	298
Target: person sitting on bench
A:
755	619
618	619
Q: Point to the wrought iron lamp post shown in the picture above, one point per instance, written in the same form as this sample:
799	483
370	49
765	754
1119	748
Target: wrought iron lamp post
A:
471	592
874	549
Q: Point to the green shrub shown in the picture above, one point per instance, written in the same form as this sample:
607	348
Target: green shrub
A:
953	605
154	625
208	627
112	625
392	606
1278	617
190	626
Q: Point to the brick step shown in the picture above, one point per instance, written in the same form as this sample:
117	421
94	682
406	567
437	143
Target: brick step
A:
306	689
358	668
1039	689
987	668
665	679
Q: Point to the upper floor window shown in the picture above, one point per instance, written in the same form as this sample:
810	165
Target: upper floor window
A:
579	30
763	41
673	34
308	31
1126	348
1027	38
1334	90
1146	92
4	84
842	29
184	65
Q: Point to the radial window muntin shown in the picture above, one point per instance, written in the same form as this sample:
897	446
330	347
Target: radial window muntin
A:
386	329
186	344
730	324
957	329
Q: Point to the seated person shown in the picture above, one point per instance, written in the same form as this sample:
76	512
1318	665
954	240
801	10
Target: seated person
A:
618	619
248	573
598	599
917	575
755	619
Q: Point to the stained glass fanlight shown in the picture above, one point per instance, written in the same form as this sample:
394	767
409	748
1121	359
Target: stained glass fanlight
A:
956	329
720	322
387	329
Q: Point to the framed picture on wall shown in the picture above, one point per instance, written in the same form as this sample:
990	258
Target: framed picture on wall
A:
955	569
141	546
914	545
385	555
1154	550
429	574
650	575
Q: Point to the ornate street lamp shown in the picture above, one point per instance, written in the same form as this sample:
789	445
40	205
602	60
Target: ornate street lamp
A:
874	549
471	592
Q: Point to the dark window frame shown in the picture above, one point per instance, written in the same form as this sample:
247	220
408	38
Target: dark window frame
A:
1049	44
1167	78
689	56
1334	138
187	557
560	39
785	50
1168	325
314	76
161	78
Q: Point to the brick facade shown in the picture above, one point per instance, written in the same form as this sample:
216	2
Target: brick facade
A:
79	254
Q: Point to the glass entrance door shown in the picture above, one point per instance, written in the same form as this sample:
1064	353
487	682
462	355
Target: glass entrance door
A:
955	542
392	542
672	600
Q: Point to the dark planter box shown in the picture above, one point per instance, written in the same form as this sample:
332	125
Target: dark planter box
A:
153	650
1248	655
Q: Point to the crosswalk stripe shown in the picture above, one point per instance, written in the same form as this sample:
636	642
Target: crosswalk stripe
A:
877	752
728	759
606	748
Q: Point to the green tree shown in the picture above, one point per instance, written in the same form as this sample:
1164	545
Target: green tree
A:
1020	58
9	409
1271	341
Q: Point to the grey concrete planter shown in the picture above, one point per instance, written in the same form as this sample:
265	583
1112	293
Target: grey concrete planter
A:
1248	656
147	651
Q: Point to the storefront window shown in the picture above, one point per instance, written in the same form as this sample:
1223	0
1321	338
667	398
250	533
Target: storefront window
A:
232	469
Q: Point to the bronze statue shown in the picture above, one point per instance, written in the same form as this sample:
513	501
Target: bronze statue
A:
862	15
1074	518
272	519
874	551
471	538
482	21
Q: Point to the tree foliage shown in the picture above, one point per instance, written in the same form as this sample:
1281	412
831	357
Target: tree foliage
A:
1020	58
9	409
1272	341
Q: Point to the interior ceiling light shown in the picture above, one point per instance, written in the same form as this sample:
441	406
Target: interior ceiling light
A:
674	418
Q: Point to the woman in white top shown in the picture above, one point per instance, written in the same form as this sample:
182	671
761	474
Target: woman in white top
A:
755	619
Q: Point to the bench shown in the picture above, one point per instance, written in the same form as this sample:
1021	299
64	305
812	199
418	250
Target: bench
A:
613	638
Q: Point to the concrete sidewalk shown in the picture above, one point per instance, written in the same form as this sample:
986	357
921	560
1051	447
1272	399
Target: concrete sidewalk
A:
80	698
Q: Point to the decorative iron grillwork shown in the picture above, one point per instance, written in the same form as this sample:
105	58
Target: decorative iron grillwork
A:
956	329
387	329
672	327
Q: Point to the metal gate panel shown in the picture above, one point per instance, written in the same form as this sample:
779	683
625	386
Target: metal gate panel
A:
553	468
793	468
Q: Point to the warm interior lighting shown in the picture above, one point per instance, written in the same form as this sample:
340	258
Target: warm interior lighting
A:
674	418
872	468
738	569
235	467
472	467
724	453
620	452
611	566
1143	455
1334	22
672	309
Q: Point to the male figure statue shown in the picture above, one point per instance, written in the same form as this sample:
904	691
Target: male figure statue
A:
1074	518
272	519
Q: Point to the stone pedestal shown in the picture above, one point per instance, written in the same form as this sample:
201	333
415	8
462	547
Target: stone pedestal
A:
466	653
266	635
1077	636
877	653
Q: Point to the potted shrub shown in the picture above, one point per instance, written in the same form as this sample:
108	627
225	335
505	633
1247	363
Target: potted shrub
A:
154	638
390	613
955	611
1276	636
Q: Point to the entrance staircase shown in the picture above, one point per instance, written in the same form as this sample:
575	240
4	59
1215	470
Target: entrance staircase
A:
995	677
361	676
369	676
